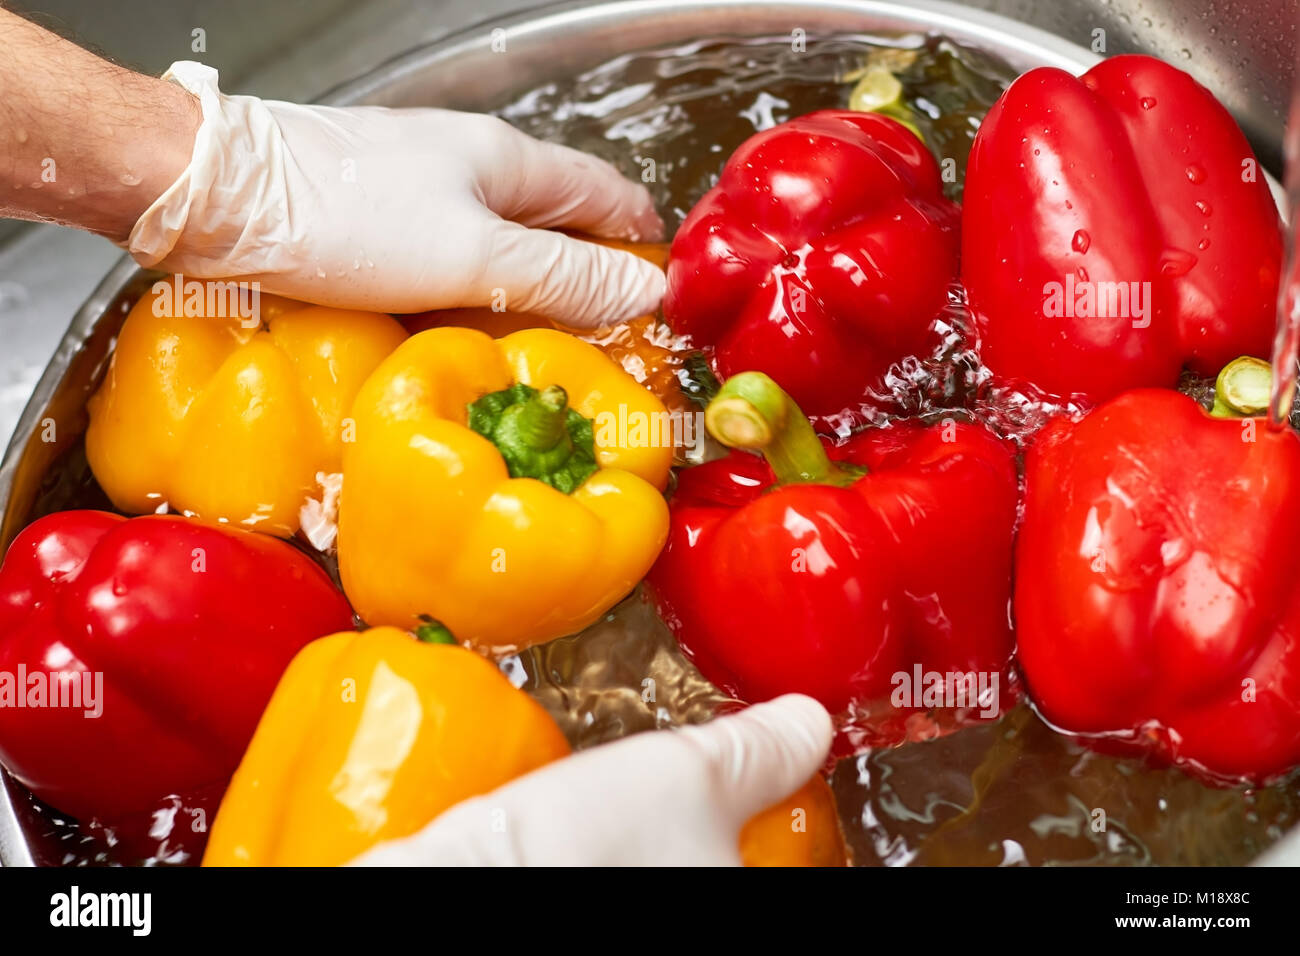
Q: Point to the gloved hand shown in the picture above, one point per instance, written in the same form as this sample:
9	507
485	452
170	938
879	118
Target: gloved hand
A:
398	211
665	798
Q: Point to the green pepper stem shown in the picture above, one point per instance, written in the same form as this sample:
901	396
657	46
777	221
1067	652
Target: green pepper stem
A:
1243	388
751	411
538	435
434	632
541	421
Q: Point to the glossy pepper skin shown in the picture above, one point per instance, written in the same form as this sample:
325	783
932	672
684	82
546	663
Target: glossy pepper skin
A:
830	591
369	737
230	419
1154	580
190	626
1132	173
431	521
822	256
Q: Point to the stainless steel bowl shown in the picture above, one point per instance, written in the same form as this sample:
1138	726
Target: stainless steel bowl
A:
464	72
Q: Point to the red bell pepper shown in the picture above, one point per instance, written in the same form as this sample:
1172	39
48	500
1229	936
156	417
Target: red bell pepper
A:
1155	584
822	256
829	577
188	626
1115	228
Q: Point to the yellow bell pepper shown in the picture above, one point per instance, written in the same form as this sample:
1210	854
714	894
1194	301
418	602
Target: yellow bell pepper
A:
512	539
368	737
230	418
642	346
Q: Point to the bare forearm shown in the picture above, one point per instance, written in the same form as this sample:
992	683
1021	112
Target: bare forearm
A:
84	142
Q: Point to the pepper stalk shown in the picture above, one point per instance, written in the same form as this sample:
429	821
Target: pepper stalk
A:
752	412
433	631
1243	388
538	435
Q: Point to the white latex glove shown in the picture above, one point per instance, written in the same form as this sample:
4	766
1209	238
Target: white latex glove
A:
660	798
397	211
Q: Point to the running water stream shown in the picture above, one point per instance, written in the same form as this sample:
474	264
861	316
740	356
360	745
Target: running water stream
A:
1286	346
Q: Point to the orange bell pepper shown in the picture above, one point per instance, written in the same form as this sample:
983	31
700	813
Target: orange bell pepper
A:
369	737
801	830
